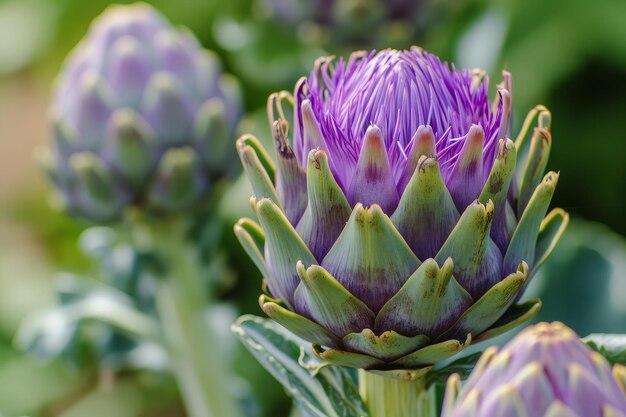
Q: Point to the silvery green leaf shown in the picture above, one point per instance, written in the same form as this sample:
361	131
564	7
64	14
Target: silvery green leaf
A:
611	346
318	389
462	366
52	333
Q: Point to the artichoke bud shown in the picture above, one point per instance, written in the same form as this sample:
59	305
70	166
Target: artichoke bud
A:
545	371
396	227
148	102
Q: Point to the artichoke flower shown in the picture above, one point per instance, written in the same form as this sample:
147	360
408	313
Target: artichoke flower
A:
398	224
545	371
142	116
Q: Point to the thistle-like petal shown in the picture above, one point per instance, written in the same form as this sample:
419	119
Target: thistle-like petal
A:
512	407
211	134
485	311
252	239
95	189
524	239
327	210
512	317
477	269
94	106
297	324
255	168
370	258
558	409
312	137
167	108
534	389
422	144
465	179
428	303
373	180
540	144
426	214
175	54
496	189
432	353
291	179
619	373
389	345
127	144
128	70
177	182
283	250
347	358
330	304
552	228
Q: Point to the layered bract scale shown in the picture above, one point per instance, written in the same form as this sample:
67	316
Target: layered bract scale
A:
545	371
142	116
399	223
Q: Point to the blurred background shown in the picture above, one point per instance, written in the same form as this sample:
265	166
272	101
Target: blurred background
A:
567	54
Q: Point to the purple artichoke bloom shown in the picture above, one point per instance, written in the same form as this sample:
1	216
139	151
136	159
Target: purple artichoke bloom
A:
395	227
545	371
142	116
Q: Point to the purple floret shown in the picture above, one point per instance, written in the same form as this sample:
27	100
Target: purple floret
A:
397	91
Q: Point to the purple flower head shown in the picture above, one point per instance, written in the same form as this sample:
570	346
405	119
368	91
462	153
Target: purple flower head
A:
394	227
399	94
544	371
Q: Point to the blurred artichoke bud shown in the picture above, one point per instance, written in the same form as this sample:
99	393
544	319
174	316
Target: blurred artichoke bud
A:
142	116
354	21
545	371
394	228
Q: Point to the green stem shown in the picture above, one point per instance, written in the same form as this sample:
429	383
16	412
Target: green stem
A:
194	352
391	397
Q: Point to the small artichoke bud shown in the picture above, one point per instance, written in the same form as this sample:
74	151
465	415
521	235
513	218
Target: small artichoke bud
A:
142	116
398	224
545	371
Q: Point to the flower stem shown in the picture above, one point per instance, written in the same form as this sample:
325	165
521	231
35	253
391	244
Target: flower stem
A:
195	357
391	397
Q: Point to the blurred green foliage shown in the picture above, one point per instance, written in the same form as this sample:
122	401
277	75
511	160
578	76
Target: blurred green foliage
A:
567	54
583	284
